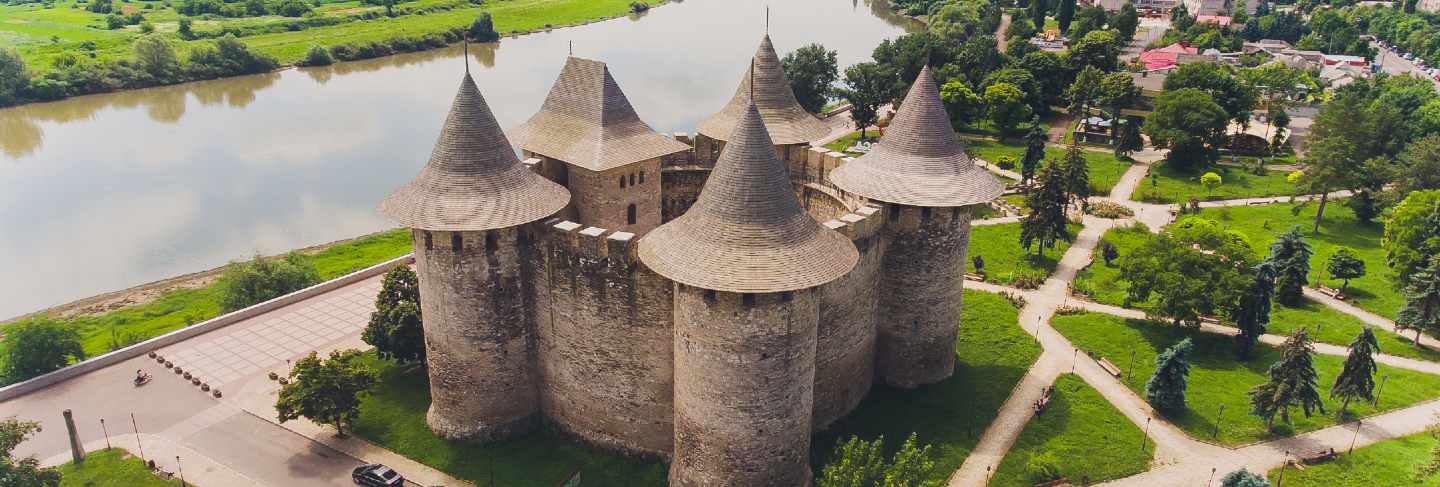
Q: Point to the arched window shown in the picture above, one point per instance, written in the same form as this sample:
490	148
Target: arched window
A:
630	214
642	177
456	243
632	179
622	180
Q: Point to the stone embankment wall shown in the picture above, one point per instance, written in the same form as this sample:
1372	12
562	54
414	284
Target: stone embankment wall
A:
603	324
478	340
744	387
923	275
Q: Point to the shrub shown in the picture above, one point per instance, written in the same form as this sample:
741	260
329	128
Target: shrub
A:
39	347
264	278
292	8
483	30
185	30
229	57
1109	209
146	27
13	76
1005	162
637	7
1025	279
318	56
1042	468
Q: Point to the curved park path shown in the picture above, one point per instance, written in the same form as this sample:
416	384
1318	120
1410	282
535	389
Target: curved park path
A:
1179	459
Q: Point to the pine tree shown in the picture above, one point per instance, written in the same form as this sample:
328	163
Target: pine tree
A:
1291	256
1357	379
1293	382
1128	139
1065	14
1422	303
1252	316
1166	389
1047	222
1243	478
1037	10
1077	174
1034	150
1344	264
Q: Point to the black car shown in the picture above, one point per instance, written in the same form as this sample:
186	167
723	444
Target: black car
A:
376	475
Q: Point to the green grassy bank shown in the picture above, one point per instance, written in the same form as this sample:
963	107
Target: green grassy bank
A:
1390	463
1080	436
110	468
1006	262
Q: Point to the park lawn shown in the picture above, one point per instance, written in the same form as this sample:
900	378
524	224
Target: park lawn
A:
992	354
1105	169
1102	283
1178	186
1217	378
184	307
842	143
1328	325
1390	463
1006	262
110	468
1066	437
1375	292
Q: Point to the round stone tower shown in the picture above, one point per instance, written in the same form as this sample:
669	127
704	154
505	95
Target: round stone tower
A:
746	260
465	210
765	85
920	171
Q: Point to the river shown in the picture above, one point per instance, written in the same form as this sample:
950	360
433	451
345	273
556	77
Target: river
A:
104	192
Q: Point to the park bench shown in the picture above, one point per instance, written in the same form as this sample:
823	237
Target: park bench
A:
1257	203
1209	320
1109	367
1060	482
1318	456
1044	401
974	277
1332	292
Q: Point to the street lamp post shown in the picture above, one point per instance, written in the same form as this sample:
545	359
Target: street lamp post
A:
137	436
1286	463
1147	433
107	433
1383	378
1074	359
180	470
1212	477
1355	436
1216	434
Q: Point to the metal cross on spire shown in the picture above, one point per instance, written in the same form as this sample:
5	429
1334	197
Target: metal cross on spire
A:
767	20
467	55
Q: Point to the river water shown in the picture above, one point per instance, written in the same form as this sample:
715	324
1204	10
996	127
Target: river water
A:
104	192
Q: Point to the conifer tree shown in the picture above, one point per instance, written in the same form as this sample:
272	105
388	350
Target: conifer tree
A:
1166	388
1252	316
1422	303
1077	174
1357	379
1128	139
1293	382
1037	10
1345	265
1034	150
1064	14
1046	223
1291	256
1243	478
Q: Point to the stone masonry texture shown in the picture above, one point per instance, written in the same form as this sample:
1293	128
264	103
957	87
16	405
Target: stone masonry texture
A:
477	339
923	280
744	379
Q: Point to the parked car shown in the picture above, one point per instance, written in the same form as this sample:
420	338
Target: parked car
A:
376	475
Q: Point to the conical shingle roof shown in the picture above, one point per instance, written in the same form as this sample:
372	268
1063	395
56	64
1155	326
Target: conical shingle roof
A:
587	121
919	161
746	232
785	119
473	180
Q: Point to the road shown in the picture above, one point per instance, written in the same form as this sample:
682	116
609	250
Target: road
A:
1393	63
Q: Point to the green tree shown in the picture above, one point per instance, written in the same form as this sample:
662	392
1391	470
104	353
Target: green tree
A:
1126	22
812	70
866	88
1127	138
1292	382
1232	94
1243	478
38	347
1117	92
1185	282
1412	234
264	278
483	29
326	391
1290	255
1082	93
1077	173
318	56
1035	140
1100	49
1210	181
14	78
1357	378
1252	315
1065	14
1165	390
859	463
962	104
1417	169
1047	222
395	328
186	29
22	472
1345	265
1007	107
1036	11
1422	303
1190	124
155	57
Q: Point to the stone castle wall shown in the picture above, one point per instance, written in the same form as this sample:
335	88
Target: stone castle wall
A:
478	339
604	335
845	354
604	198
923	276
752	350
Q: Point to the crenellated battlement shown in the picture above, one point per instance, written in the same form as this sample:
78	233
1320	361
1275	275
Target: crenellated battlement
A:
861	224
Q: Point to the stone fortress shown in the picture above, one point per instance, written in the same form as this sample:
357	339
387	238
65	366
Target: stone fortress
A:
710	300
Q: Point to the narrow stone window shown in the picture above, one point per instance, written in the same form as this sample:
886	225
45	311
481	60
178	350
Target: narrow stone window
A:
428	243
489	243
748	299
786	296
622	181
642	177
630	214
632	179
710	296
925	213
894	213
456	243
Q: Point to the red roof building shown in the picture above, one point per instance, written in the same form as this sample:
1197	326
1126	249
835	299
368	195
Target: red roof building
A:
1165	57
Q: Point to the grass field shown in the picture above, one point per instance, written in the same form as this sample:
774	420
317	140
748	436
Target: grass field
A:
1105	169
1006	262
1390	463
842	143
1101	283
110	468
1175	186
1374	292
992	355
42	34
1066	436
184	307
1217	378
